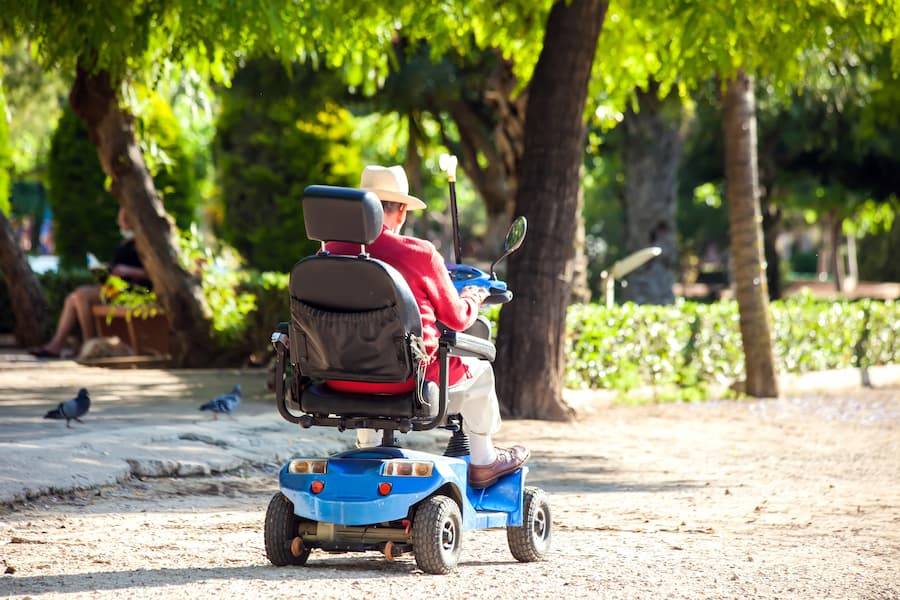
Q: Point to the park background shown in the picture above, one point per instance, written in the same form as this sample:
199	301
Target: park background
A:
612	128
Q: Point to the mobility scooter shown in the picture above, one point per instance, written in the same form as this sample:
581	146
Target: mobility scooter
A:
354	318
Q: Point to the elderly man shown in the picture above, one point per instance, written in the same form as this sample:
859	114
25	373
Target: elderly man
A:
472	391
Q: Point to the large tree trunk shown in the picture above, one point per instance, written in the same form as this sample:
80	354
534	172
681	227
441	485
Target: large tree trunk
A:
531	352
653	142
25	294
492	126
93	98
744	218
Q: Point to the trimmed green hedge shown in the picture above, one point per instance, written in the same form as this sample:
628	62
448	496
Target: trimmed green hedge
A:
691	345
688	345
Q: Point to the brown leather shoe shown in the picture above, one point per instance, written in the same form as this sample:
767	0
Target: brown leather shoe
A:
508	460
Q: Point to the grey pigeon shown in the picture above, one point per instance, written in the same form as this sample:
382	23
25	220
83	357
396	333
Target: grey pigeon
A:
225	404
72	409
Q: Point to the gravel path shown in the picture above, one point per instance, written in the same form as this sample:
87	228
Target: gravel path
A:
791	498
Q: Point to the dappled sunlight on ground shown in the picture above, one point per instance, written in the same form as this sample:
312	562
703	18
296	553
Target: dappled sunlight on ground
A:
119	398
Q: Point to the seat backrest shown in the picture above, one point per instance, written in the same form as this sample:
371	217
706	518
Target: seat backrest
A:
353	318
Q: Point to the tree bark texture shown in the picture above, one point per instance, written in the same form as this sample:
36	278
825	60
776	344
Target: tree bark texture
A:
771	225
25	294
531	352
581	289
93	98
492	126
653	143
835	230
771	214
744	218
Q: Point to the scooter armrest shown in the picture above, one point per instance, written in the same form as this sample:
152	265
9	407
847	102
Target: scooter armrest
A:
461	344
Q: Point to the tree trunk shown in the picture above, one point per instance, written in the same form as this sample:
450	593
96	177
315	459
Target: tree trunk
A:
771	225
491	125
835	229
771	214
25	294
531	352
581	289
93	98
417	223
653	143
744	218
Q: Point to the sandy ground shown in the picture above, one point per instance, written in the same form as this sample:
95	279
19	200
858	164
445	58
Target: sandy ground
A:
792	498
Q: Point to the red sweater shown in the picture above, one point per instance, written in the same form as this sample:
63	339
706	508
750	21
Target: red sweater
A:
423	269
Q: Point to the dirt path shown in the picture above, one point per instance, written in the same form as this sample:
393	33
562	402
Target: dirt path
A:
794	498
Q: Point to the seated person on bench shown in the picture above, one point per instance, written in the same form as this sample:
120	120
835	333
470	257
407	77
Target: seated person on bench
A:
472	393
76	311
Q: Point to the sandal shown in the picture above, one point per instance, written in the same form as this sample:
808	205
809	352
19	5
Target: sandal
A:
42	352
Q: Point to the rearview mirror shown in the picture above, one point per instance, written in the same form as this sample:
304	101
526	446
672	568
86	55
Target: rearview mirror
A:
514	238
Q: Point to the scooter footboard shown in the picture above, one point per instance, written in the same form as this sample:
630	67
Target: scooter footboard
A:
505	497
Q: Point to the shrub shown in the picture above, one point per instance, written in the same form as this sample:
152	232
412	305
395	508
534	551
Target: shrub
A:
689	345
269	146
84	211
169	160
693	345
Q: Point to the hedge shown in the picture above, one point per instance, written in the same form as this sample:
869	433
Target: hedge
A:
688	345
691	344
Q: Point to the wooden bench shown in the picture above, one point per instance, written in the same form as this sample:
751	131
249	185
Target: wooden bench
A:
148	336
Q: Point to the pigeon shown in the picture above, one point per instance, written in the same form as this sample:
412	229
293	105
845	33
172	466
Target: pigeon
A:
224	404
72	409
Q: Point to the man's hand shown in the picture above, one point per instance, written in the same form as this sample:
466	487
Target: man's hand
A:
476	293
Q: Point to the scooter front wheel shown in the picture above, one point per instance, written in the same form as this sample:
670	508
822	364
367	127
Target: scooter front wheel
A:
282	526
531	541
437	535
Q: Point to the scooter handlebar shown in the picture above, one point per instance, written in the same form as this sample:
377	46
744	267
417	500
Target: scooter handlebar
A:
499	297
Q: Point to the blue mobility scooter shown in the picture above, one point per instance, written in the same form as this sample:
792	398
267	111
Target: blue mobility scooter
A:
354	318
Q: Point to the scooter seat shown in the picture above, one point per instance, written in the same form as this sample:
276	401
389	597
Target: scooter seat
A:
322	400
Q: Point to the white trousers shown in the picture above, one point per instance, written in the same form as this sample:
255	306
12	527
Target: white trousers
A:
475	398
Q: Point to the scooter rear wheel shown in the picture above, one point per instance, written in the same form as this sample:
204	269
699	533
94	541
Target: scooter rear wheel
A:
531	541
437	535
281	528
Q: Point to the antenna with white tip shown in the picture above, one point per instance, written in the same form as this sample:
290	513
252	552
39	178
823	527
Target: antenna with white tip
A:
448	163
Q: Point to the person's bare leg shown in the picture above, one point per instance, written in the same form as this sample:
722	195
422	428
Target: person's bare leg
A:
85	297
76	310
67	321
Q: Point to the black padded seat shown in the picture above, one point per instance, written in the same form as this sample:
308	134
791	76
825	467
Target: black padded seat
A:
321	400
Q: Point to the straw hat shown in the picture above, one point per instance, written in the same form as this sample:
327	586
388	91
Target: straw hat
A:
390	185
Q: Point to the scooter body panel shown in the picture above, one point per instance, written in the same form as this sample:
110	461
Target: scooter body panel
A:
350	496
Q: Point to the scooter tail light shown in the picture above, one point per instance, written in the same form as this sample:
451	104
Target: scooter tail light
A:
407	468
308	466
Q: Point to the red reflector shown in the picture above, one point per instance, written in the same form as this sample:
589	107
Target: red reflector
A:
384	488
316	486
